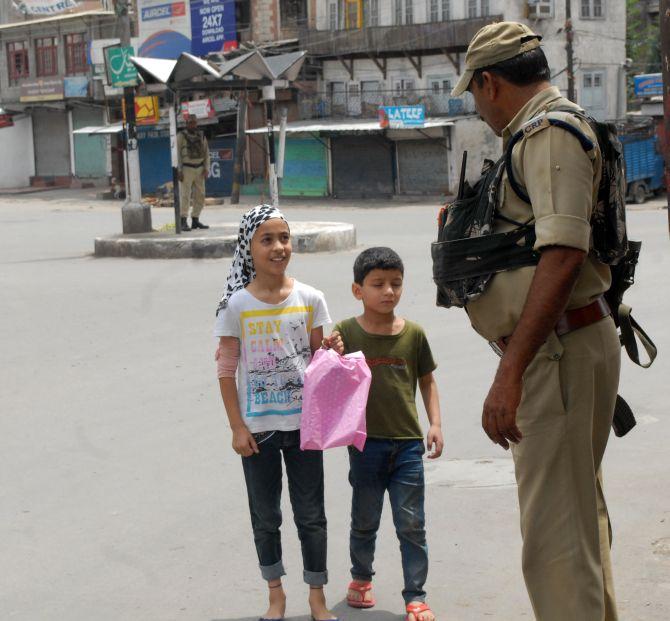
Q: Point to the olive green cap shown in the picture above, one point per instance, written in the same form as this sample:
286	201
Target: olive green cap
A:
492	44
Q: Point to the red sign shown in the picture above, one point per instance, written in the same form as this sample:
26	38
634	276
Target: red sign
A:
6	120
178	9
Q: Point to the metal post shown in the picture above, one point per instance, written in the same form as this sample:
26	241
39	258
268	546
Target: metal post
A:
568	48
135	216
282	142
240	147
174	158
269	97
665	62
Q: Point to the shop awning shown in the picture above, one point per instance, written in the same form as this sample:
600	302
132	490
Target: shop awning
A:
99	129
347	125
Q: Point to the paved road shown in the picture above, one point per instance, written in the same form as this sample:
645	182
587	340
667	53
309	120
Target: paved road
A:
120	498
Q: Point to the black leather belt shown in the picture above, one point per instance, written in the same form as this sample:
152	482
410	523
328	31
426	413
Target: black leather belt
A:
193	165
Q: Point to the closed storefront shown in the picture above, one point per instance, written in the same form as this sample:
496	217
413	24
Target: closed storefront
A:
422	166
362	166
155	161
51	134
305	167
91	153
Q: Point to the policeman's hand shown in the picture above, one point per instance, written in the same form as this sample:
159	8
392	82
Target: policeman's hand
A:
499	413
243	442
180	175
435	441
205	173
334	342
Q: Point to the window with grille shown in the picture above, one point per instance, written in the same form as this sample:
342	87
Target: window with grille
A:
593	91
46	56
593	9
17	61
439	10
397	13
75	54
479	8
409	11
371	13
332	16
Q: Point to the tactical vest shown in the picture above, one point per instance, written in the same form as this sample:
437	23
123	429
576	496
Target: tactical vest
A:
195	147
467	253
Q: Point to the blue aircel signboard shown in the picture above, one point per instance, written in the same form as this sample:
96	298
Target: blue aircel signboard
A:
213	27
648	85
402	116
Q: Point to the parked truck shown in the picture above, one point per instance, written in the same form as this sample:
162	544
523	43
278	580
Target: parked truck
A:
644	160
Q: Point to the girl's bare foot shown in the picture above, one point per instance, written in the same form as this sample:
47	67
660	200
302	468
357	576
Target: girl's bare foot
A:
317	604
277	597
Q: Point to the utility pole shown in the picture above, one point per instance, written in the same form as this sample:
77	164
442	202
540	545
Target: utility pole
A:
135	216
665	63
568	48
240	147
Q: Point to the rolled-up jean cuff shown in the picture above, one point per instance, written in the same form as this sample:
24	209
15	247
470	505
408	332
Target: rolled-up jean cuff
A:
315	578
273	572
361	578
414	598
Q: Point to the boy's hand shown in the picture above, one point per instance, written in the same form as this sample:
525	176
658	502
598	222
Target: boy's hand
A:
243	442
435	441
334	342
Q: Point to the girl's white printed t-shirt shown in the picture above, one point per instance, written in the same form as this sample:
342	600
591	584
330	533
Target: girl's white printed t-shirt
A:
274	353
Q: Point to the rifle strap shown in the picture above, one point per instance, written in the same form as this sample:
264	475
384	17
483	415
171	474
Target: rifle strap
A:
629	329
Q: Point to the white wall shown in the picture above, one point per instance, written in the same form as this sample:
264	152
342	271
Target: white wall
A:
17	157
475	137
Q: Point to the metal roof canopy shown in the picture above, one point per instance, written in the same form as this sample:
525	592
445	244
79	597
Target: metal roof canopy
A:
348	125
249	66
99	129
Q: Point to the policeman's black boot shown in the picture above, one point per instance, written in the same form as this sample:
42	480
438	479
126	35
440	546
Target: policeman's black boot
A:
184	225
196	224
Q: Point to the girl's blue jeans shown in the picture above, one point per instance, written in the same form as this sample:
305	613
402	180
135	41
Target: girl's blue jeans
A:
396	466
263	475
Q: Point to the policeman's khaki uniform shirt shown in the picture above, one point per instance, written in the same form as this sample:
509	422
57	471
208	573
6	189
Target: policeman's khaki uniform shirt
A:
562	182
183	151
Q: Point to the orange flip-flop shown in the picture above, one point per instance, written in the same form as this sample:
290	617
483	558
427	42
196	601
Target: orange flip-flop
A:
416	608
361	589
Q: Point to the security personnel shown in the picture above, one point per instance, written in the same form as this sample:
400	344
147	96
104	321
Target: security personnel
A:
554	392
193	154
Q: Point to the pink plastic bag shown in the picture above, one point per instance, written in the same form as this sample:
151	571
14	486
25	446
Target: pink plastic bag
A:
334	399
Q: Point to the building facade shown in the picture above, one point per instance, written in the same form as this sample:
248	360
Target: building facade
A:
49	86
404	52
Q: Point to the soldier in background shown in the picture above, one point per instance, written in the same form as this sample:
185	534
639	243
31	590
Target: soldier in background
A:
193	153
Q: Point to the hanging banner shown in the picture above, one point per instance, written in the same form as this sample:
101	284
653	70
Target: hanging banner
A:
164	27
213	26
44	7
75	86
399	117
42	90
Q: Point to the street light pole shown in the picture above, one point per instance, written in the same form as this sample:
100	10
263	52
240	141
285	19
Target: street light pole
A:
135	216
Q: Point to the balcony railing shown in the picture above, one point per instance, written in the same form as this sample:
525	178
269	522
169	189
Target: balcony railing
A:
449	36
366	105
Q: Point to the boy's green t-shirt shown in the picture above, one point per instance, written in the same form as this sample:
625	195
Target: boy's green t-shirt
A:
396	362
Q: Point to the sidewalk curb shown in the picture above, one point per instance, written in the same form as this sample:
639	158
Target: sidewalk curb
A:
220	241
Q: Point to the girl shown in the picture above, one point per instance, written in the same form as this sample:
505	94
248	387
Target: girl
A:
268	326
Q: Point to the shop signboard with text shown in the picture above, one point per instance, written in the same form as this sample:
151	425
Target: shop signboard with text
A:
42	90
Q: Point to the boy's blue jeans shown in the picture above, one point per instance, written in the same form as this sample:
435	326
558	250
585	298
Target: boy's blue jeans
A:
263	475
396	466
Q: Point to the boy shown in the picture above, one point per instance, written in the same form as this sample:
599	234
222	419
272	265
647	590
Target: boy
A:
399	356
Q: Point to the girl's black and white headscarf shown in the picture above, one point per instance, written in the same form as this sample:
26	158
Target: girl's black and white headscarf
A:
242	270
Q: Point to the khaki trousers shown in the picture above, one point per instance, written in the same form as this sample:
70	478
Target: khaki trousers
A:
565	417
193	183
